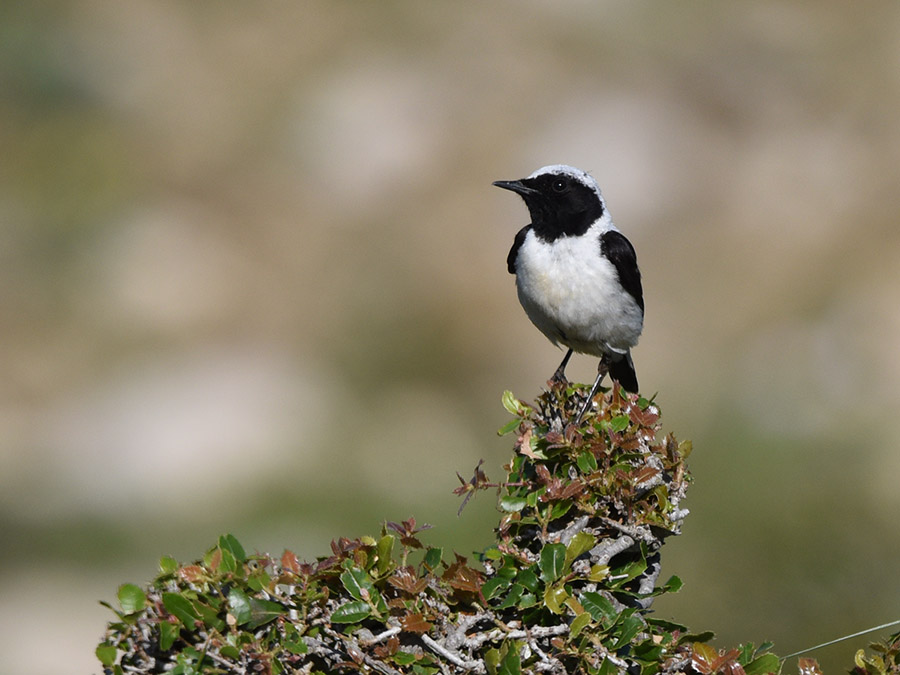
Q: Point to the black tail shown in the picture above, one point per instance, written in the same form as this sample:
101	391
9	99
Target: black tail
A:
623	372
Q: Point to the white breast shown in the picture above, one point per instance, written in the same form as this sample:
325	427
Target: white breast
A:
572	294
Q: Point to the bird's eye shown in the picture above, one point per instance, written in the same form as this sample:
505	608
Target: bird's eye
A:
559	185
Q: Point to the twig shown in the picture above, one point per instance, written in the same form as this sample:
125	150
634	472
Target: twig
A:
621	664
475	641
452	657
648	582
577	525
638	532
608	549
457	638
380	666
384	636
841	639
230	666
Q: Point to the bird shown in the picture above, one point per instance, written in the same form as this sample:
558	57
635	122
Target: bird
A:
577	276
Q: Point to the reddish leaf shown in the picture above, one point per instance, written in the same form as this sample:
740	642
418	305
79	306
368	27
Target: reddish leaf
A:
415	623
555	438
543	473
630	443
523	444
408	527
645	474
405	580
343	546
215	559
462	577
192	573
388	649
806	666
290	562
703	658
645	418
732	668
326	563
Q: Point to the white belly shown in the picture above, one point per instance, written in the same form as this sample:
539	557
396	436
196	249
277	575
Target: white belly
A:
574	297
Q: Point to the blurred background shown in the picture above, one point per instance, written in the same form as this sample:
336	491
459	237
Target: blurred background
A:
253	280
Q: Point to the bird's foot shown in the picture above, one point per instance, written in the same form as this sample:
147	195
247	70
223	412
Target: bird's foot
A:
588	404
559	377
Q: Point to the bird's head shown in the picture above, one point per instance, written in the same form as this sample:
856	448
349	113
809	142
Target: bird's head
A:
562	200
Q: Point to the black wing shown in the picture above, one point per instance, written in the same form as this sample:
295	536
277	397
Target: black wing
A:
514	251
620	253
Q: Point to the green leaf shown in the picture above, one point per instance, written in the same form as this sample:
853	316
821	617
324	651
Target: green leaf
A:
587	463
599	607
298	646
509	427
607	667
259	580
168	633
384	549
511	664
580	544
131	598
763	647
239	606
629	627
513	597
619	423
358	583
598	573
492	660
629	570
493	585
167	565
227	562
560	509
262	612
209	616
529	579
673	585
404	658
181	608
578	624
230	652
666	625
228	543
492	553
511	403
552	563
433	558
106	654
510	568
767	663
351	612
555	597
512	504
704	636
647	651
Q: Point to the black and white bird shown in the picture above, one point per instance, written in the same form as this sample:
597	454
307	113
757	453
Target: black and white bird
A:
576	275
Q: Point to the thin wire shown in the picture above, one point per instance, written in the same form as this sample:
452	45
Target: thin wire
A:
841	639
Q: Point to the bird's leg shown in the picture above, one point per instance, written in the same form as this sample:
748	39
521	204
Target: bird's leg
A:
602	370
560	374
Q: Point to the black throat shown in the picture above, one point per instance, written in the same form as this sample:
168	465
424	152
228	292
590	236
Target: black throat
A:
560	213
551	226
